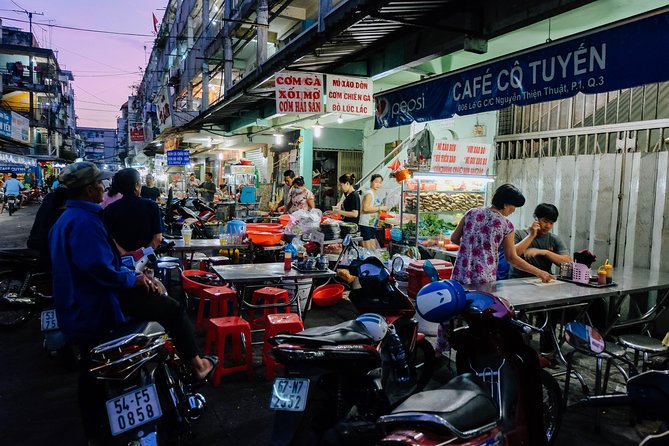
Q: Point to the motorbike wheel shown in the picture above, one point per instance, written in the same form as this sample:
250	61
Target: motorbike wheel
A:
13	315
552	405
10	207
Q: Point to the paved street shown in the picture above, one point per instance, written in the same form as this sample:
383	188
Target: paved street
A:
38	393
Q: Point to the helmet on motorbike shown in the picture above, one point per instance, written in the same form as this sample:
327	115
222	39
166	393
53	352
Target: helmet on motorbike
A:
375	324
440	301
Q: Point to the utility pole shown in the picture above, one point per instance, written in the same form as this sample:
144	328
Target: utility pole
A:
31	67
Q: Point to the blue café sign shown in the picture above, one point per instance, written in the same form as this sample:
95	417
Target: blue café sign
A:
619	57
178	157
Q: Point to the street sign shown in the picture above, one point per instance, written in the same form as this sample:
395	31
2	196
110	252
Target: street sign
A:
178	157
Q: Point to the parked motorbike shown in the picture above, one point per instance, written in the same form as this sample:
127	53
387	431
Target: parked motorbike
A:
148	396
33	195
500	396
339	379
647	393
177	213
24	289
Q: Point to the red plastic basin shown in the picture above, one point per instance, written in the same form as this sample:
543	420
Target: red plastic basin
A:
327	295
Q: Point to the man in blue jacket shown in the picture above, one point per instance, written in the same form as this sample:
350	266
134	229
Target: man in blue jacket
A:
93	293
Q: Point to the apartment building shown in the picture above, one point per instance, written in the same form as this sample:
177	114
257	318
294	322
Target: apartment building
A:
39	97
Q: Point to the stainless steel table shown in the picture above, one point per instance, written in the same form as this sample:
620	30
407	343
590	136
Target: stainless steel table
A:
265	272
447	253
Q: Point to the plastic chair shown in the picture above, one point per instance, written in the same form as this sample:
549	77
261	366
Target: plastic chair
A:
235	357
277	324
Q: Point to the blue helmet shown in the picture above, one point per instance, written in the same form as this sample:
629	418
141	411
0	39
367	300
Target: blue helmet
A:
440	301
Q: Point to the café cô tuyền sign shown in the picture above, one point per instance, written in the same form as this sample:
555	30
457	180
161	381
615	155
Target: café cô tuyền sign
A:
614	58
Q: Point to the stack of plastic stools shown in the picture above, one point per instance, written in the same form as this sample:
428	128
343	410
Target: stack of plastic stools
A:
267	296
222	302
235	356
276	324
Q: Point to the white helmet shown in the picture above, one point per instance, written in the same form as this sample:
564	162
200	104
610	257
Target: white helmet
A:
375	324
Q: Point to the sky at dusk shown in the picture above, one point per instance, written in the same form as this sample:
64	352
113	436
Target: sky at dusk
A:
104	65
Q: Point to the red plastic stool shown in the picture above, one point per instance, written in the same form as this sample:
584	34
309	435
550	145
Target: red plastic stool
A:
222	303
265	296
240	356
277	324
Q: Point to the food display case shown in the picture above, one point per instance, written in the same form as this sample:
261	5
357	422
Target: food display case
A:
433	206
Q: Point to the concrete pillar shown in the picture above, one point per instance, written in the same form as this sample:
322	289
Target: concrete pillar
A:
205	24
262	12
307	156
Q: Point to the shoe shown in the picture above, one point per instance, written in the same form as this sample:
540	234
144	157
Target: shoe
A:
214	360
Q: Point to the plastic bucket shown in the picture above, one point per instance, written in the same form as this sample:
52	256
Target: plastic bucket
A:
328	295
235	227
303	288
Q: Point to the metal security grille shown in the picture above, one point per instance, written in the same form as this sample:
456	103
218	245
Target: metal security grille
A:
259	160
634	119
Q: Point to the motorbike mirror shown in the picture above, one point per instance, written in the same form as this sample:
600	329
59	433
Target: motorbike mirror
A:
347	241
584	337
431	271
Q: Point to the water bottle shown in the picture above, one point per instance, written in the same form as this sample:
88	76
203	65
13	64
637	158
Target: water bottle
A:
398	356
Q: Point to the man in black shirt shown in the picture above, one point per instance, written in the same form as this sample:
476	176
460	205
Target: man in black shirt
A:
150	191
208	188
133	222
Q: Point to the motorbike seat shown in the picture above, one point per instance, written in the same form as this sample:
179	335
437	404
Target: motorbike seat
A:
349	332
147	328
463	406
19	254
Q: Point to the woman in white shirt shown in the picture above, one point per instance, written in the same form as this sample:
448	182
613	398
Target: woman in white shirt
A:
371	209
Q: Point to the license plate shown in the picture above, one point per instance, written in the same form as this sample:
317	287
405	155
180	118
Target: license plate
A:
133	409
49	320
289	394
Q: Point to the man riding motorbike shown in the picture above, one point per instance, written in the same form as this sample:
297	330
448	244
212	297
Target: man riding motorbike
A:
93	293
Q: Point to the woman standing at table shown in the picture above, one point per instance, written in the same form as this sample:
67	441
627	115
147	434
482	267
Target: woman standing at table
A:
350	205
300	197
481	233
371	209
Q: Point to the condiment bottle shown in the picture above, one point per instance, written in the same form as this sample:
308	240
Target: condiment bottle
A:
601	275
609	271
287	257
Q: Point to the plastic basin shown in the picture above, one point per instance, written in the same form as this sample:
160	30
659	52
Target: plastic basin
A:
284	220
327	295
271	227
265	238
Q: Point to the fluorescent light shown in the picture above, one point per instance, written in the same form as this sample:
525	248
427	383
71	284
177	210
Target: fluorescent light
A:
340	120
435	175
220	156
278	138
317	130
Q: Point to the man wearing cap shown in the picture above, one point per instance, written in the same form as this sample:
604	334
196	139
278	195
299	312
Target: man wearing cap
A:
93	292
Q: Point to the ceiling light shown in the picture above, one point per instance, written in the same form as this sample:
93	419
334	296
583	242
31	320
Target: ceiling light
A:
317	130
220	156
340	120
278	138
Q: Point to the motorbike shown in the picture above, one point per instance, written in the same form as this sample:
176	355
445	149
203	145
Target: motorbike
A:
339	379
148	396
647	393
33	195
24	289
12	204
500	396
177	213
